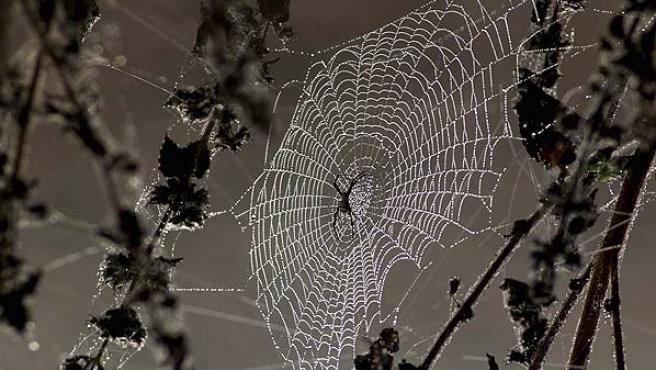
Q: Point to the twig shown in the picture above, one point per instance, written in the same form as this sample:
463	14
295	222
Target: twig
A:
558	321
464	312
24	120
618	340
97	359
602	263
163	222
47	50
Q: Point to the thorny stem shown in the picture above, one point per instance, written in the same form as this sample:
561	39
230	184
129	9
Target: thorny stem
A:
618	340
558	321
464	311
604	262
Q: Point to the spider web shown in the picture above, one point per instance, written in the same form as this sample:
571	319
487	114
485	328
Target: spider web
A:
418	110
408	108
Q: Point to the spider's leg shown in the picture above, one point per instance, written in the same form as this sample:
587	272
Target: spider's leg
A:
352	224
335	221
355	180
336	185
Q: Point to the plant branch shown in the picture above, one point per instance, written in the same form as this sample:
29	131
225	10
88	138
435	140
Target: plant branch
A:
60	67
163	222
558	321
97	359
465	310
24	116
618	340
602	263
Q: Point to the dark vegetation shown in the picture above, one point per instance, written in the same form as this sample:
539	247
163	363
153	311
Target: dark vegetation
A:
580	150
231	44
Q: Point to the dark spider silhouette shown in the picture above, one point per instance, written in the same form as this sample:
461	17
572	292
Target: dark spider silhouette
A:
344	205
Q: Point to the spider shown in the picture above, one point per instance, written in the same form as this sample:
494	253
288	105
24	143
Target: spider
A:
344	205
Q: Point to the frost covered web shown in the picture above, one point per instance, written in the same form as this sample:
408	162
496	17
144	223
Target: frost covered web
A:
417	111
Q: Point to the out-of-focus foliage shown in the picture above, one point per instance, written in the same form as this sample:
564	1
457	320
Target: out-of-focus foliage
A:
550	133
121	325
181	166
381	352
528	315
231	40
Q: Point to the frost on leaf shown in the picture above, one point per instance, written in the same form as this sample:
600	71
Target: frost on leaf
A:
193	104
118	270
187	203
537	112
528	315
186	162
121	325
381	352
230	135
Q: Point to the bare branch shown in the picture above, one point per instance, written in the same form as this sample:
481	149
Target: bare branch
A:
614	308
465	311
576	286
602	264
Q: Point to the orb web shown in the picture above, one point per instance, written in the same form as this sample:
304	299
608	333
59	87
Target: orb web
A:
415	112
405	111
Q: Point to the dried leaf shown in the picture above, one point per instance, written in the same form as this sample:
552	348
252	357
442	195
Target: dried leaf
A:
184	163
121	325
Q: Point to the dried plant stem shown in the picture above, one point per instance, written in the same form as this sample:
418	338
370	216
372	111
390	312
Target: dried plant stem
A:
97	360
605	261
464	311
60	68
157	234
558	321
7	239
618	340
24	116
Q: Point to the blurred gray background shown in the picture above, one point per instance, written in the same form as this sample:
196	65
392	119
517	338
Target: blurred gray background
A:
152	38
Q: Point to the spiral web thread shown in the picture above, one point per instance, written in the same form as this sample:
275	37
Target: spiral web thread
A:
406	110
